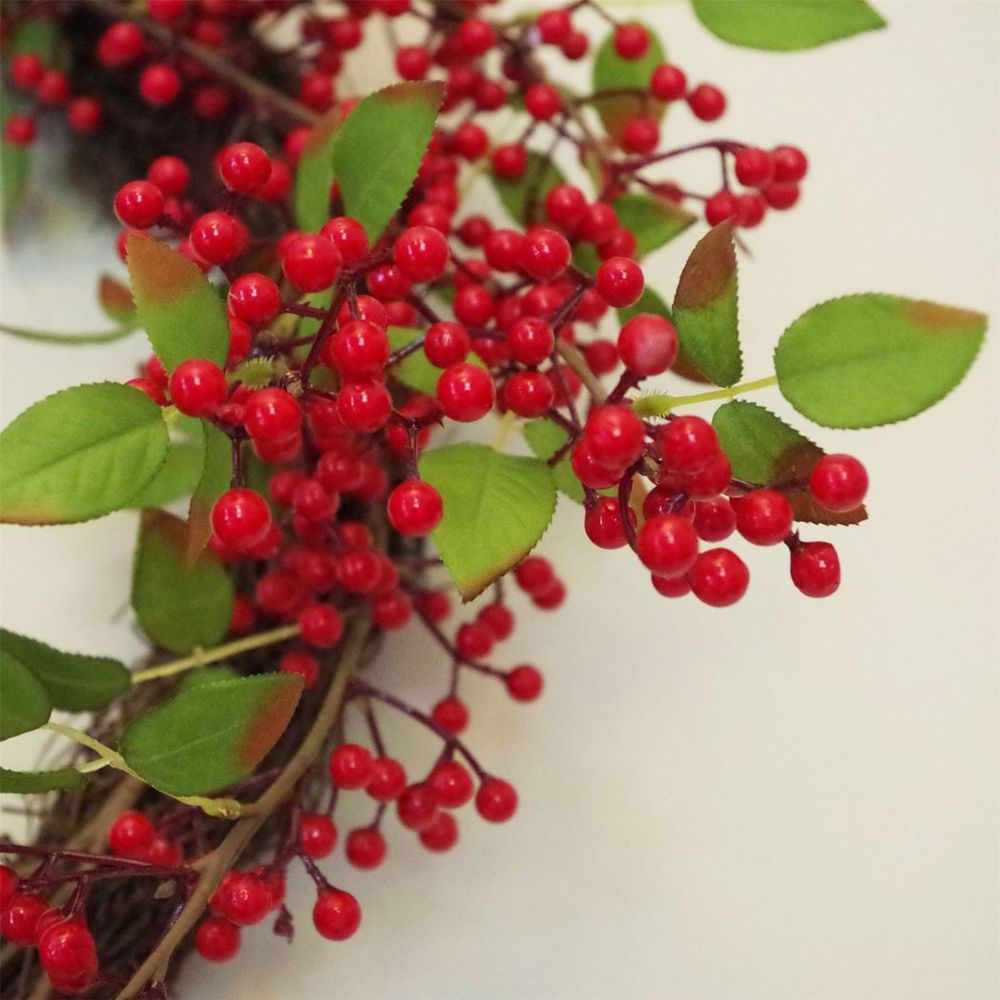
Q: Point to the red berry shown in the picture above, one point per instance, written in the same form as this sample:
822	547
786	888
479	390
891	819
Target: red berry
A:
687	444
503	249
709	481
718	578
19	130
529	394
415	508
641	134
815	568
542	101
839	482
311	262
603	524
53	88
554	26
446	344
721	206
707	102
121	44
781	195
19	919
321	626
509	161
474	640
139	204
27	69
351	766
336	914
272	415
364	406
754	167
170	174
714	519
763	517
473	305
358	350
620	282
166	11
565	205
365	848
750	210
442	834
242	898
198	387
159	84
67	952
84	114
451	715
668	83
450	784
534	574
465	392
647	344
8	884
598	222
254	299
550	598
349	236
318	835
421	253
524	683
130	835
545	254
667	545
392	610
388	779
413	62
241	519
631	41
615	436
496	800
217	939
671	586
417	808
244	167
218	238
790	164
530	341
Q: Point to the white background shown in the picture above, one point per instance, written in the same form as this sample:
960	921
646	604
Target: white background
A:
785	799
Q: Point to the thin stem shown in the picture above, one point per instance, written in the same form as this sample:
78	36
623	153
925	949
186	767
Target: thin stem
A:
200	658
670	402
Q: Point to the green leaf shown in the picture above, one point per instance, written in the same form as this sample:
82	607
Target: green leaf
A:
865	360
176	478
611	72
32	782
211	735
314	173
25	704
256	373
214	480
207	675
178	307
15	165
415	371
545	438
179	605
80	453
653	221
74	682
786	25
651	302
116	302
496	508
378	150
524	196
705	308
766	451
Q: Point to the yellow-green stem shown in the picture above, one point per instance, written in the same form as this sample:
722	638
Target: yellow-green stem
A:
660	404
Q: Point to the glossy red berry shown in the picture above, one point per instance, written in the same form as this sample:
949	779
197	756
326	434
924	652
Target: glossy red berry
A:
242	898
170	174
311	262
641	134
554	26
754	167
551	597
496	800
365	848
615	436
450	783
815	568
241	519
19	919
317	835
718	578
159	84
667	545
839	482
446	344
442	834
364	405
358	350
780	195
417	808
139	204
750	209
254	299
465	392
388	779
320	625
714	520
415	508
530	341
721	206
671	586
687	444
9	882
631	41
198	387
529	394
272	415
710	480
130	835
763	517
218	238
542	101
349	237
565	205
336	914
421	253
534	574
244	167
524	683
217	939
351	766
451	715
668	83
620	282
413	62
68	954
474	640
545	254
647	344
790	164
603	524
509	161
707	102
